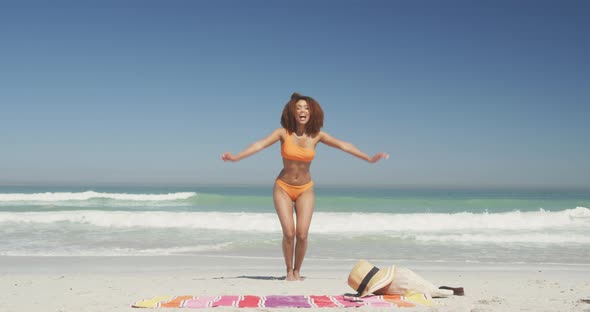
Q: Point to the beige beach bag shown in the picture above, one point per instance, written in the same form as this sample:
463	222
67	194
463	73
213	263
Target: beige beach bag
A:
367	279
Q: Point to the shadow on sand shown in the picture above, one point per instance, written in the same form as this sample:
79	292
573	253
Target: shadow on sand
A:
264	278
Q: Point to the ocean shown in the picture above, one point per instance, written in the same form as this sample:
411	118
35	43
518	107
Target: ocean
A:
464	226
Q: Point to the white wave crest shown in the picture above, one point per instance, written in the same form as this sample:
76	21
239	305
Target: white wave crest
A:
81	196
113	252
354	223
435	222
540	238
148	219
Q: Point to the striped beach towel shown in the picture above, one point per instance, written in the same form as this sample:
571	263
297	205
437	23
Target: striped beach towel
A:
283	301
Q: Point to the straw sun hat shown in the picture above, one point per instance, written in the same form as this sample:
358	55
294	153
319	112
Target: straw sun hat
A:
366	278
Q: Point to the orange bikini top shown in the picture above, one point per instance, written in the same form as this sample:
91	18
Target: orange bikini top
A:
292	151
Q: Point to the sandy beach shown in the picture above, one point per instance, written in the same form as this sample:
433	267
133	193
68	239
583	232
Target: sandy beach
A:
115	283
155	149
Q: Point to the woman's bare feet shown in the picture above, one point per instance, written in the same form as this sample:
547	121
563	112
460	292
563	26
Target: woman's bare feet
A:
293	276
297	276
290	276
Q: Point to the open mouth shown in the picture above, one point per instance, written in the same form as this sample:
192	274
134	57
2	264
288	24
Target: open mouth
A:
302	117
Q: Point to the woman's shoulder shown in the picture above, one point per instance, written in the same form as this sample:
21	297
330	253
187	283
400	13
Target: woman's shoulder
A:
318	137
282	132
325	137
322	134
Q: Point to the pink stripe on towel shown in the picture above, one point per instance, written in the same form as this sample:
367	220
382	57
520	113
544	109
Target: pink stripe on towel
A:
200	302
226	301
250	302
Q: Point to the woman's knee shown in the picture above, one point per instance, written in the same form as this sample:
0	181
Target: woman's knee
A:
301	236
289	235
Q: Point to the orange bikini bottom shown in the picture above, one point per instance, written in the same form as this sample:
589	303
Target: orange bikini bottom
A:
294	190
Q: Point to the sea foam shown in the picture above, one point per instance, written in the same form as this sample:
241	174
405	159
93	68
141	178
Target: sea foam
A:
323	222
81	196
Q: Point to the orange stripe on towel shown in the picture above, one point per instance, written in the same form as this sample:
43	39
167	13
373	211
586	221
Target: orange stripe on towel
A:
176	302
397	299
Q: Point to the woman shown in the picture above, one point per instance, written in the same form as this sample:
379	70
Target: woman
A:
301	122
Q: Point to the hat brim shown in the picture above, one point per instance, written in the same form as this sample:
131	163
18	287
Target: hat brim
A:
383	278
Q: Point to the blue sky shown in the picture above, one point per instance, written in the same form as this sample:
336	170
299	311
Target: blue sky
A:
460	93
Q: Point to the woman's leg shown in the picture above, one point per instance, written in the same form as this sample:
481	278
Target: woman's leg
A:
304	206
284	208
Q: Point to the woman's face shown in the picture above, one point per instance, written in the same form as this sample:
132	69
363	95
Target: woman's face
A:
302	110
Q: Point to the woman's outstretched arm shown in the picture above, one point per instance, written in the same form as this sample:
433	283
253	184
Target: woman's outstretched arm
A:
350	148
254	147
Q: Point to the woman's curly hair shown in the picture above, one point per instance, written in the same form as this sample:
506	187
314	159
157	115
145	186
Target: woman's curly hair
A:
289	116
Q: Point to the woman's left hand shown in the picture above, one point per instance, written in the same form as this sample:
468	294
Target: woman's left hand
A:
378	157
228	157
